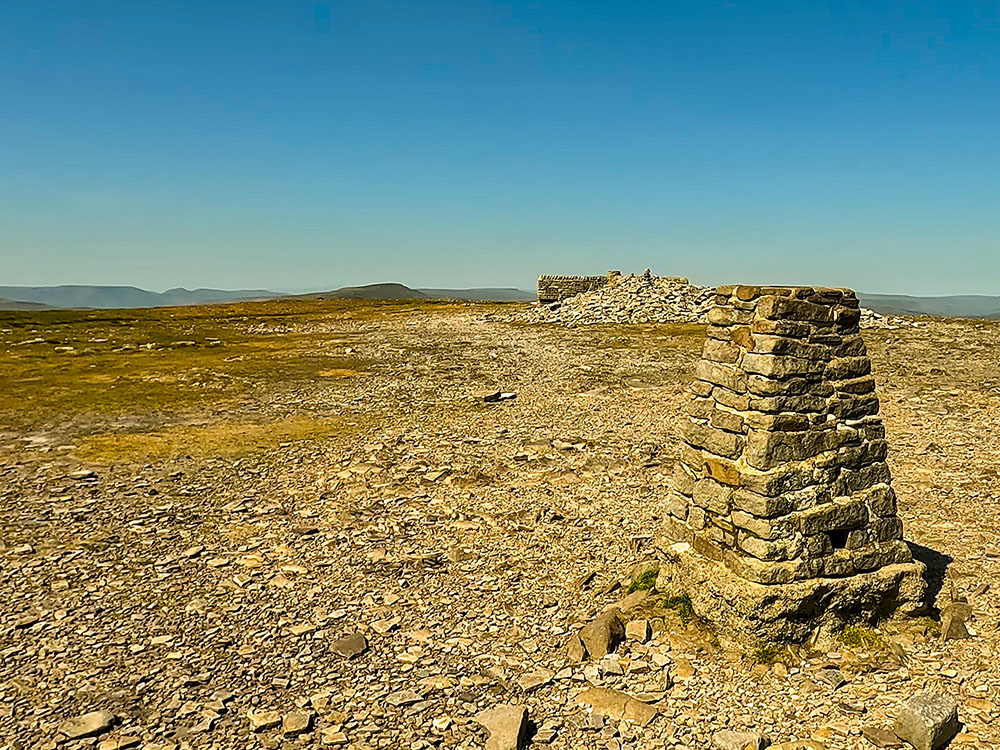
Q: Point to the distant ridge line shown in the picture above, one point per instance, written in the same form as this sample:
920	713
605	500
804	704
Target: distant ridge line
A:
95	297
82	296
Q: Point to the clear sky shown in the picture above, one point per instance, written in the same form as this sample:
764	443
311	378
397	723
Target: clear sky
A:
302	145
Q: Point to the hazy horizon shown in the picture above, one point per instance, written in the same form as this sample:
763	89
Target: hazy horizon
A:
471	144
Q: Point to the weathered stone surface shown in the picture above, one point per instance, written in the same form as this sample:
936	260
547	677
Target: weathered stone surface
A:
953	618
840	514
715	441
847	368
881	737
769	449
713	496
350	646
727	316
781	308
507	726
727	420
297	722
617	705
263	720
558	288
719	374
783	476
535	679
87	725
576	651
603	635
638	630
747	612
782	549
405	697
720	351
728	739
774	366
722	471
808	404
927	720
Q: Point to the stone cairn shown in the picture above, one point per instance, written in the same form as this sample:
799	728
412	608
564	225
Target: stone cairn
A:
622	299
627	299
782	518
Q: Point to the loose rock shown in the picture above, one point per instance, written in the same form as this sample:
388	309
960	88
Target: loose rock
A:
507	725
603	635
87	725
729	739
296	723
262	720
928	720
350	646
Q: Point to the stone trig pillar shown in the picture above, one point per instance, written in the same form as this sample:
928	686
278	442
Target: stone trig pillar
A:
781	517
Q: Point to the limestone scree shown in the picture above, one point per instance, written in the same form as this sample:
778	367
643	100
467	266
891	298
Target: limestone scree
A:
781	518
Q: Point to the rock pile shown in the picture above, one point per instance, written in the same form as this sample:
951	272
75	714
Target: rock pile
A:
646	298
782	513
630	299
872	319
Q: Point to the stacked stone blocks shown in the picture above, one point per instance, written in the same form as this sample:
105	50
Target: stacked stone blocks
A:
557	288
783	473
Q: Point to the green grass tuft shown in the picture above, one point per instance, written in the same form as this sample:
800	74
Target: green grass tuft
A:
767	654
932	626
858	636
644	582
681	605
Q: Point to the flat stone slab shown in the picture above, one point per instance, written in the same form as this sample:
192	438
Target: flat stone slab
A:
617	705
87	725
507	725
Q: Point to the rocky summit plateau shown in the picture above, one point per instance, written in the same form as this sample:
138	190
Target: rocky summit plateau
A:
429	524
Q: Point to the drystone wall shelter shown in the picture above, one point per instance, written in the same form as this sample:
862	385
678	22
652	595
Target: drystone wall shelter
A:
781	516
557	288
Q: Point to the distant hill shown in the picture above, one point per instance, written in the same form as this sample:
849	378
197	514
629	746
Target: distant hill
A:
957	306
114	297
401	291
103	297
80	296
369	291
10	304
504	294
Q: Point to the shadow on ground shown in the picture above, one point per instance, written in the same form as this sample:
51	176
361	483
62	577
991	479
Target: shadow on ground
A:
937	567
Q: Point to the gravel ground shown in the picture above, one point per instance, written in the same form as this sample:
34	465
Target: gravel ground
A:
199	599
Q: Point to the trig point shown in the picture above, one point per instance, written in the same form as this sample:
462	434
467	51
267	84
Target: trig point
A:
781	520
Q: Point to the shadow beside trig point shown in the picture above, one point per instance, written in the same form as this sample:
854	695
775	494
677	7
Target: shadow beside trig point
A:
937	567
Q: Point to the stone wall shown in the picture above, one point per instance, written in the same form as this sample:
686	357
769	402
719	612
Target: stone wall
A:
558	288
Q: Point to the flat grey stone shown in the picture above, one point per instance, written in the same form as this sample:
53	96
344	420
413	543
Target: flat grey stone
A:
832	677
928	720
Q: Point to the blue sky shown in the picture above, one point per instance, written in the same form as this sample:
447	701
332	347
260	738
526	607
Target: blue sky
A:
303	145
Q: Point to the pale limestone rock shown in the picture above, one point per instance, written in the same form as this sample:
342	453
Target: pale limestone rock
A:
507	726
